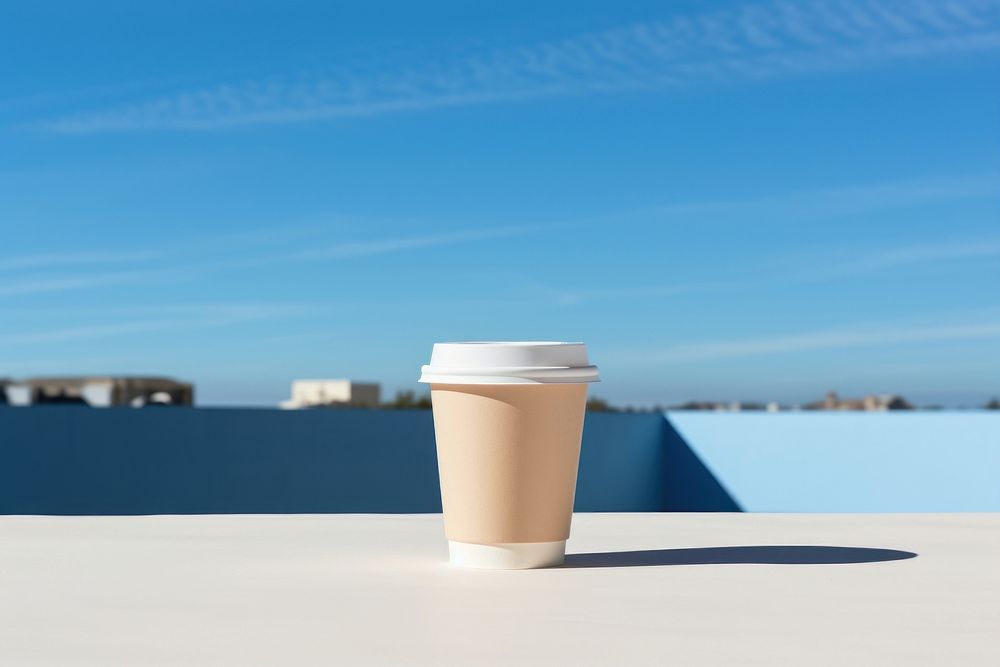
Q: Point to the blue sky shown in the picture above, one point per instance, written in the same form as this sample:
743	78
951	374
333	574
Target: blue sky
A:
756	201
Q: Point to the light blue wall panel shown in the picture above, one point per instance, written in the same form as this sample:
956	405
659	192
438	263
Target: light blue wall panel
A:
851	462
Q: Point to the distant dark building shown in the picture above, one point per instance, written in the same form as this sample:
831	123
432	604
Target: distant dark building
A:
870	403
712	406
696	405
100	391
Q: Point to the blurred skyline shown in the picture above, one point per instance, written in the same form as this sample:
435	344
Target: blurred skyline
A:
742	201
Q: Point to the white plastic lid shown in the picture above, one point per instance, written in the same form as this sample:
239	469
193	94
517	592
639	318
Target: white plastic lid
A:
497	362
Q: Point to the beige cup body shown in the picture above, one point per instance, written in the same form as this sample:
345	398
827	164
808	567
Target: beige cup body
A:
508	457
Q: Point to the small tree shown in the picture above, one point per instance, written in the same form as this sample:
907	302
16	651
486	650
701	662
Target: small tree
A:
993	404
599	405
407	400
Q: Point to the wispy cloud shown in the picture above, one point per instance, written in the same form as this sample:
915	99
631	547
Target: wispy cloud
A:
46	363
832	267
909	255
92	331
220	315
169	310
833	202
827	339
350	249
65	283
202	266
570	297
934	253
61	259
756	42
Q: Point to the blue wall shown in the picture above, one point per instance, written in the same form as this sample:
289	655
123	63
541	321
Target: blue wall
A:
851	462
75	460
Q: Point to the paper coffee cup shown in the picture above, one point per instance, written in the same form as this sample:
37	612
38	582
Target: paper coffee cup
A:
508	420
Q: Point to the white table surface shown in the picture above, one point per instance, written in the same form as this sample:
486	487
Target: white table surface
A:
376	589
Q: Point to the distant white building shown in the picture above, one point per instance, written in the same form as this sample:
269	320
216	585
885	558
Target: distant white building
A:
318	393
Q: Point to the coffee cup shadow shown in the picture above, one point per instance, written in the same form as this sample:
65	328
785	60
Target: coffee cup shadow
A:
760	554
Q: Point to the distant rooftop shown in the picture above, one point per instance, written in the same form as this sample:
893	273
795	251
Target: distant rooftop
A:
99	391
324	393
870	403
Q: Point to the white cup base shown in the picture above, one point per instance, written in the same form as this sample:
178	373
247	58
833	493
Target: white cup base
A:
509	556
